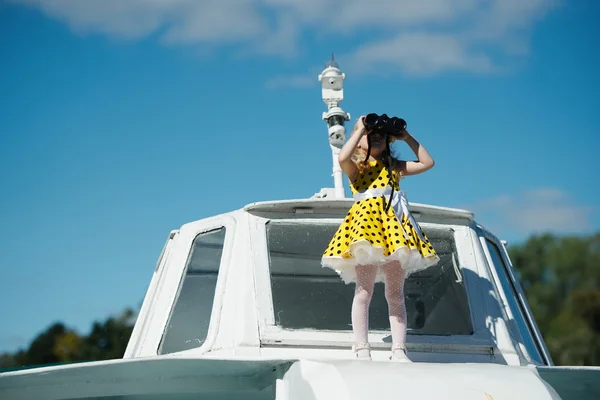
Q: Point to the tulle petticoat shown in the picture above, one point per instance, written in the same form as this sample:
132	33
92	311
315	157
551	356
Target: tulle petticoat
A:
363	253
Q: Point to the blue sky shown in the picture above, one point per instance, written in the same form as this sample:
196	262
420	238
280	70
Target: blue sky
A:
120	121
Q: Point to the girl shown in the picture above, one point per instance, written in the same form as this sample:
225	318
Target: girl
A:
379	239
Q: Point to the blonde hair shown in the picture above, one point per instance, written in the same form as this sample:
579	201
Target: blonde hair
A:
359	156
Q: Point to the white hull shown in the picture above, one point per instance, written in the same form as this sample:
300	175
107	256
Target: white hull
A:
172	378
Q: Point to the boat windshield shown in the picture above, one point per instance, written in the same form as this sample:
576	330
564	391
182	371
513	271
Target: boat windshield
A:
308	296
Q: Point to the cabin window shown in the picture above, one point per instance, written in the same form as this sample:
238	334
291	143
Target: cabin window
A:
308	296
519	325
188	323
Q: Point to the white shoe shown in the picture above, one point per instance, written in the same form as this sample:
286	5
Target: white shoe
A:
399	354
362	351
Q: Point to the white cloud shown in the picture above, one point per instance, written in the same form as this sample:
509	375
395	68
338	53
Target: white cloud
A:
417	54
416	37
534	211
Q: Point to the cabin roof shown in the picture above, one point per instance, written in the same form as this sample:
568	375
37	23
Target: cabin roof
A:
313	205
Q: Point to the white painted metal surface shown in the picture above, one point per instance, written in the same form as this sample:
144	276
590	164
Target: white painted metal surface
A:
343	380
239	307
248	378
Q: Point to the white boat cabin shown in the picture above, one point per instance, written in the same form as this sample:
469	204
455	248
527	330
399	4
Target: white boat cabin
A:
249	284
239	307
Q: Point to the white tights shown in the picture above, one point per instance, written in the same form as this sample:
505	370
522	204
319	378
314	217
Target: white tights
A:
394	295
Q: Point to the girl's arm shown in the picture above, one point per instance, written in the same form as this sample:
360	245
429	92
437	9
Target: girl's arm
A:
424	161
345	156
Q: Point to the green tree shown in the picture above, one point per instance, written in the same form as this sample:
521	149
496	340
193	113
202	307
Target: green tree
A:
561	280
57	344
68	347
108	339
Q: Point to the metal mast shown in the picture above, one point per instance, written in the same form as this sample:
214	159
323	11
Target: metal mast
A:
332	89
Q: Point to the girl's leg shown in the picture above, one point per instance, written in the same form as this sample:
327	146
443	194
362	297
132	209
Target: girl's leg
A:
394	294
365	283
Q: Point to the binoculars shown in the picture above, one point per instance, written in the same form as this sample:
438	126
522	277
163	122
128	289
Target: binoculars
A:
393	126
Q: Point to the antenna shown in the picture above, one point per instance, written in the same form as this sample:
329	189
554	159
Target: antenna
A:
332	90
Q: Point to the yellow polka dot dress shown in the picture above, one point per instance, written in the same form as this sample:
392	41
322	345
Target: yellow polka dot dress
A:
370	235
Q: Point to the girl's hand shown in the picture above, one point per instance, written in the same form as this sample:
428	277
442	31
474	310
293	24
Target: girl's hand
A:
360	125
403	136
